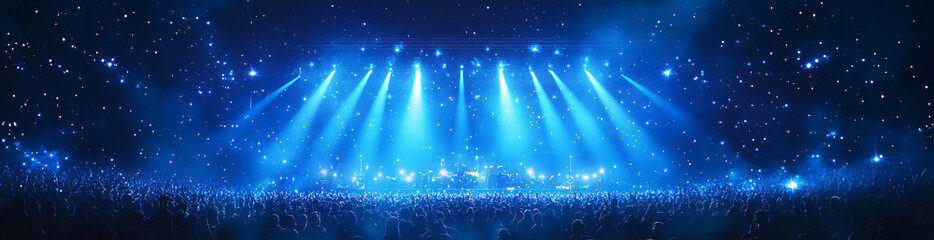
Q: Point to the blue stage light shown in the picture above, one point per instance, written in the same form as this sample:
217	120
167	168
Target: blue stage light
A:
330	136
368	146
667	107
413	138
594	138
558	140
287	143
461	128
792	184
512	145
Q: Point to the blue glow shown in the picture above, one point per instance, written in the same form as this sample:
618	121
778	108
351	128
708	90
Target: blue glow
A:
807	65
594	139
462	126
632	135
259	106
413	143
667	72
287	143
792	184
558	140
373	124
512	146
666	106
252	73
325	144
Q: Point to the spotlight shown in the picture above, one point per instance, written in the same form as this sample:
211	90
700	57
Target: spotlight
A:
602	171
792	185
667	72
534	48
252	73
444	172
877	158
401	171
408	178
530	172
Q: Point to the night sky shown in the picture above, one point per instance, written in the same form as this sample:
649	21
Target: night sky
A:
715	87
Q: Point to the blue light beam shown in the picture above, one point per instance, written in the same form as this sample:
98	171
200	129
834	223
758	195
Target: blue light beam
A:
633	136
368	147
461	124
288	143
673	111
262	104
413	139
330	136
594	139
512	144
558	139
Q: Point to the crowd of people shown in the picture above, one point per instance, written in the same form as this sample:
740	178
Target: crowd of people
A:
844	203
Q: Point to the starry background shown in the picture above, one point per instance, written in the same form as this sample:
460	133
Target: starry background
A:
773	85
